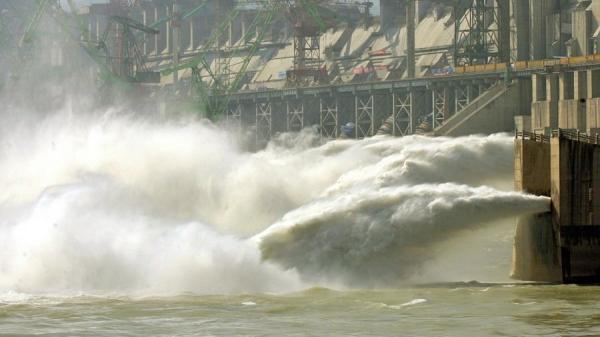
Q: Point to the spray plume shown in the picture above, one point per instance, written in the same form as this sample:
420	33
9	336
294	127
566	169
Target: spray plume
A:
110	202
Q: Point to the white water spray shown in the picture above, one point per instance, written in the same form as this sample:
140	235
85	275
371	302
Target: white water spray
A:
108	203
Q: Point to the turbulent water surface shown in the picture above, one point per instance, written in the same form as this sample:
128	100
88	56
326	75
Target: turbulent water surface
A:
452	310
116	224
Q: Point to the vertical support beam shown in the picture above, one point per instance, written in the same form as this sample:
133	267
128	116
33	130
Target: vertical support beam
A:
540	11
580	85
440	106
539	106
581	32
145	21
463	95
503	31
295	115
329	117
168	31
552	96
565	86
364	116
402	106
410	39
538	88
571	110
521	14
593	83
264	122
593	101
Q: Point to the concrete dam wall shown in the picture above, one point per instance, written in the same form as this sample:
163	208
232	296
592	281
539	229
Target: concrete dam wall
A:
563	245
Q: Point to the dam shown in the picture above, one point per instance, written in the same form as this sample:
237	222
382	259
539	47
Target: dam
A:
357	69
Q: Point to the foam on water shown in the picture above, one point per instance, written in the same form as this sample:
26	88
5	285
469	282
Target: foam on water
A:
102	203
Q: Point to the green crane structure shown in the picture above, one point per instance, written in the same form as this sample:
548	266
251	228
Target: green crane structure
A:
220	79
125	58
224	77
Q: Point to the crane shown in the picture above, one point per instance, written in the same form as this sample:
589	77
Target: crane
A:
126	58
222	81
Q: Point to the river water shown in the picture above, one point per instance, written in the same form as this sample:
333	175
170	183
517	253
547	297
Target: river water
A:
449	310
113	223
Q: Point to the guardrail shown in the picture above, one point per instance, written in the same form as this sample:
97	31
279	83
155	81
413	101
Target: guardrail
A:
559	133
576	136
527	135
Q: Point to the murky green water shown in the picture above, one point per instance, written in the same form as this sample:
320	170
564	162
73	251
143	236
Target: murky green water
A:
451	310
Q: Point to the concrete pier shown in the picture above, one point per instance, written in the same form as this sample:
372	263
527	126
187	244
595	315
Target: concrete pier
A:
564	244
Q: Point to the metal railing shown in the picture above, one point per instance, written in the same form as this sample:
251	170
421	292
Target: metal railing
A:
528	135
576	136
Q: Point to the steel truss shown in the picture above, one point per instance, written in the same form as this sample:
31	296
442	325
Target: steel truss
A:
476	35
364	116
403	113
295	115
264	122
440	106
329	117
464	94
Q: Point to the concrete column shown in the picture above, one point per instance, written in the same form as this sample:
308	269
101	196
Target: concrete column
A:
581	30
552	96
571	111
565	85
552	92
504	30
539	10
410	39
593	102
580	85
593	83
521	15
